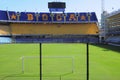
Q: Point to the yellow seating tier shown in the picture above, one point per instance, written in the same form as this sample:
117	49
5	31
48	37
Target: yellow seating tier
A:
56	29
4	30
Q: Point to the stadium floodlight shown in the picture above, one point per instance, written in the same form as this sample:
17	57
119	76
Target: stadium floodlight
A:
103	5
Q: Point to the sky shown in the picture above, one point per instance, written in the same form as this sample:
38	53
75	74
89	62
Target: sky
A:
71	5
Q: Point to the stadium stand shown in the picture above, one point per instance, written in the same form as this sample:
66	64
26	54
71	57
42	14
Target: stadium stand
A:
57	29
113	39
5	34
5	40
112	27
4	30
31	27
63	38
54	33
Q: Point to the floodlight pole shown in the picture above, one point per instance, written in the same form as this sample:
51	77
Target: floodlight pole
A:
87	60
40	46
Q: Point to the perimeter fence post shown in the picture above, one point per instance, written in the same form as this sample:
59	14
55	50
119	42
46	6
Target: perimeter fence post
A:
87	61
40	46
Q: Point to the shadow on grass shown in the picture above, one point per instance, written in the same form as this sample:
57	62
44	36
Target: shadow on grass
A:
108	47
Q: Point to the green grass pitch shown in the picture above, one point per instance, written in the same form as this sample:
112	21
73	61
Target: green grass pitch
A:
104	62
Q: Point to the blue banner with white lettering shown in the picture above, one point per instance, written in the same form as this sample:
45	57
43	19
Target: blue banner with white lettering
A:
12	16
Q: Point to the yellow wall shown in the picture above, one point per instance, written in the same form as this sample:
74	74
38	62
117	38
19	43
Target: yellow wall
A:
57	29
4	30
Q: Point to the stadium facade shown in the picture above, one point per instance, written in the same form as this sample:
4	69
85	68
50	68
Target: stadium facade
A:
110	30
31	27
